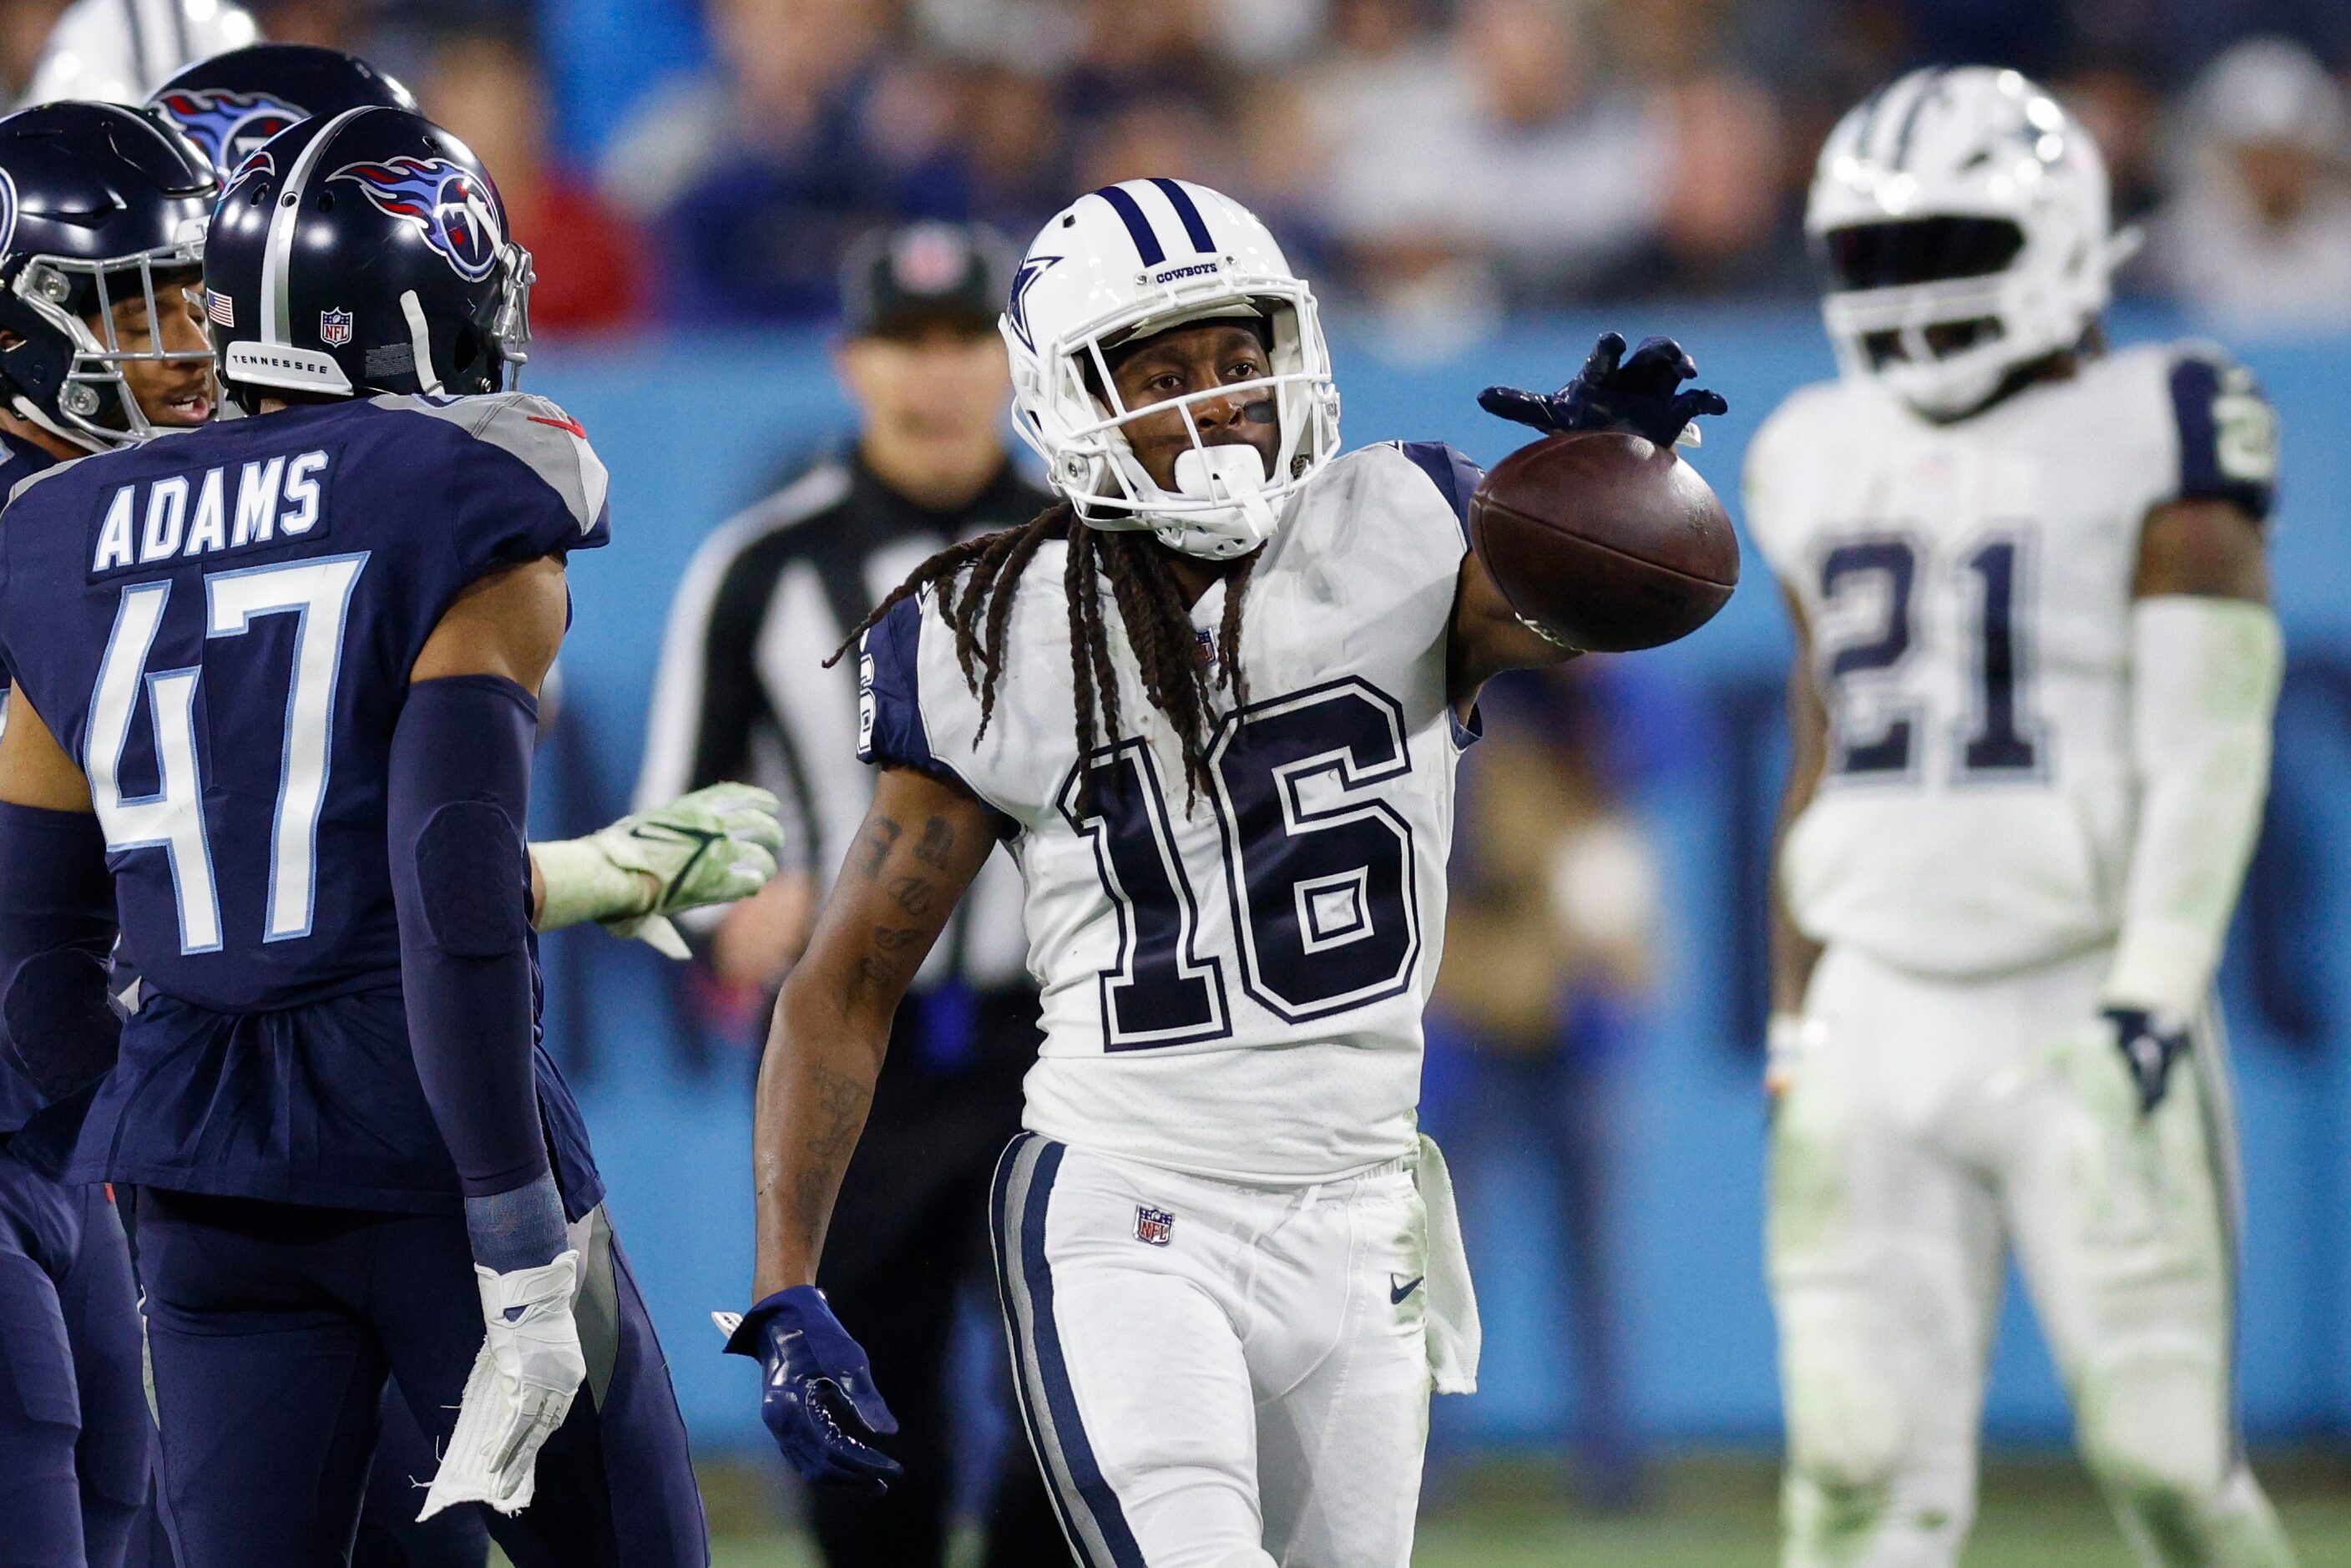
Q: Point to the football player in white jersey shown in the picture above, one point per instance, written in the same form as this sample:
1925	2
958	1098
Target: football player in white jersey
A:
2031	707
1212	704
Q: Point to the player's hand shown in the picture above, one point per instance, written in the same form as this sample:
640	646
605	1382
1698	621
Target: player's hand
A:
714	845
2148	1051
1611	392
817	1395
527	1372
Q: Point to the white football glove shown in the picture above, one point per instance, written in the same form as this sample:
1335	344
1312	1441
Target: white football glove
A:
530	1370
714	845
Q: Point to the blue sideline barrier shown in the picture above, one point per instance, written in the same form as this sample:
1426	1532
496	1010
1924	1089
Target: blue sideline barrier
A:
692	430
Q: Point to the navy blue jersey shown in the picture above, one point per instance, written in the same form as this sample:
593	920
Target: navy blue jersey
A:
19	460
219	625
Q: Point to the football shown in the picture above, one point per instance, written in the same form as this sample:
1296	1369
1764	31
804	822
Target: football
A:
1604	541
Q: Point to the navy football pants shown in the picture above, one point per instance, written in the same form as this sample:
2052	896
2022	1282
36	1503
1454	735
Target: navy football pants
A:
74	1432
273	1328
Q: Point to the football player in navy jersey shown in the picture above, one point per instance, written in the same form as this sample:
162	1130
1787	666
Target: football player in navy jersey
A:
305	765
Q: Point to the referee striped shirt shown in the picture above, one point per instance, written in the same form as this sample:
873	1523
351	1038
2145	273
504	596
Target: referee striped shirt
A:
742	692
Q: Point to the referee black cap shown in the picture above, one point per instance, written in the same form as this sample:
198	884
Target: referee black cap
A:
898	281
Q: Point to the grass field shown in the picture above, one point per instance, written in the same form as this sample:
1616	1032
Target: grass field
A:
1711	1512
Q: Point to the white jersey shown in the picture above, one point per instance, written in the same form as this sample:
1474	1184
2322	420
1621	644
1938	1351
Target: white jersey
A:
1969	589
1232	986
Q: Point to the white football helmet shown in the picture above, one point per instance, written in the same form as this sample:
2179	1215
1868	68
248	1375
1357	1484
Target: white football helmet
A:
1124	262
1963	216
118	51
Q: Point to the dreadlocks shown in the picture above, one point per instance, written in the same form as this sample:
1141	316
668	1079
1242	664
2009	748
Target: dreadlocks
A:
1178	675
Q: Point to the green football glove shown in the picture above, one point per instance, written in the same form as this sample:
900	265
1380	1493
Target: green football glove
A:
713	846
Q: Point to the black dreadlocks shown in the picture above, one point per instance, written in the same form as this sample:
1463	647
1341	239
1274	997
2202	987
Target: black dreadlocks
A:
1178	675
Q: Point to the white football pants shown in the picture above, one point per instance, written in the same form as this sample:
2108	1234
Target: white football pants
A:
1216	1375
1923	1128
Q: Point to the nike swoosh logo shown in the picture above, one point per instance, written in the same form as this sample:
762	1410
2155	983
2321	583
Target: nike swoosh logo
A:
1397	1293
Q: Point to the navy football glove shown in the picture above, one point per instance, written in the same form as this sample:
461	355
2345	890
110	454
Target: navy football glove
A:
2147	1051
1611	392
817	1395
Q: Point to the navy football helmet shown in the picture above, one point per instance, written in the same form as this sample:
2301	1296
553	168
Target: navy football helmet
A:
231	103
365	251
97	204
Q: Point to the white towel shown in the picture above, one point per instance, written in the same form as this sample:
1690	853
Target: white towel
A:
1455	1335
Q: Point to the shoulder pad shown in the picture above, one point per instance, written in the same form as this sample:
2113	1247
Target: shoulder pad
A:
548	441
1455	477
2228	430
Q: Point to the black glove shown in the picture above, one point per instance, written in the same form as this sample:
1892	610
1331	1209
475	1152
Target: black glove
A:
2147	1051
1611	392
818	1396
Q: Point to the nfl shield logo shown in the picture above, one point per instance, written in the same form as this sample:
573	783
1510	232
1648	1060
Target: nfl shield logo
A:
334	327
1155	1225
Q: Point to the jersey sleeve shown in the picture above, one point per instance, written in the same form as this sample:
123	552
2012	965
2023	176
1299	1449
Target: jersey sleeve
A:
2227	429
1455	477
891	729
524	483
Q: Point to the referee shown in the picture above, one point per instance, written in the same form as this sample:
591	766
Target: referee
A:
741	694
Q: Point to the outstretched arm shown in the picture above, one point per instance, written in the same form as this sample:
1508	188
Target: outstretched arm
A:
1640	394
1487	637
920	846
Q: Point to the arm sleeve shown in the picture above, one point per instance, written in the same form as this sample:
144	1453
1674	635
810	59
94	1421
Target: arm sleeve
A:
2204	684
57	930
458	794
2228	433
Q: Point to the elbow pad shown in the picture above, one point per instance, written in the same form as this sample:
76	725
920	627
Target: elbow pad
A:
2204	685
57	933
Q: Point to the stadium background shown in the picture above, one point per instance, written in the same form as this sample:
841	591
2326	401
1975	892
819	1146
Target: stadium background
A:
688	244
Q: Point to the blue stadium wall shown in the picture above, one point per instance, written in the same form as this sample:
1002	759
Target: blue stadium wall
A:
693	430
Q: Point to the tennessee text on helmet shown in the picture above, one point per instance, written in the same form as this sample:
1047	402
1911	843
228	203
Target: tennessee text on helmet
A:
1127	261
365	251
97	204
1963	219
231	104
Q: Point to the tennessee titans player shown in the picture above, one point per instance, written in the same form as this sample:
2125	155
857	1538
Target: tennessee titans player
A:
74	1432
328	1097
231	103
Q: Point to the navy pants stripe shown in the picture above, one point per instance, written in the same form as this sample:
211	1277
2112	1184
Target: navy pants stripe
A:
74	1432
1098	1530
273	1329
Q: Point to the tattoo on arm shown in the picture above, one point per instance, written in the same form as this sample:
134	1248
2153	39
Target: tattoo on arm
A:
914	895
878	843
890	938
937	843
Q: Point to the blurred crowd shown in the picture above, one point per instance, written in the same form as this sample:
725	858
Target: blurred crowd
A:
1435	163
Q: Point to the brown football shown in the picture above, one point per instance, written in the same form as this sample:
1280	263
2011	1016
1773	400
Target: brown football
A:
1607	542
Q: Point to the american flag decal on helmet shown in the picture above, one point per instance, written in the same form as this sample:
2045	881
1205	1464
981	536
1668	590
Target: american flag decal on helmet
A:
220	306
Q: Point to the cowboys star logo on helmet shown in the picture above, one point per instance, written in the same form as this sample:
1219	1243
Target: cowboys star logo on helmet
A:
227	126
448	204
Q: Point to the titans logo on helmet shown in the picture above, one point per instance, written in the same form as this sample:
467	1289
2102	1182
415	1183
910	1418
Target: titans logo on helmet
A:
226	126
452	208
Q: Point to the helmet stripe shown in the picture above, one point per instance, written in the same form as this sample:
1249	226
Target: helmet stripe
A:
1196	228
1932	86
1138	227
277	250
